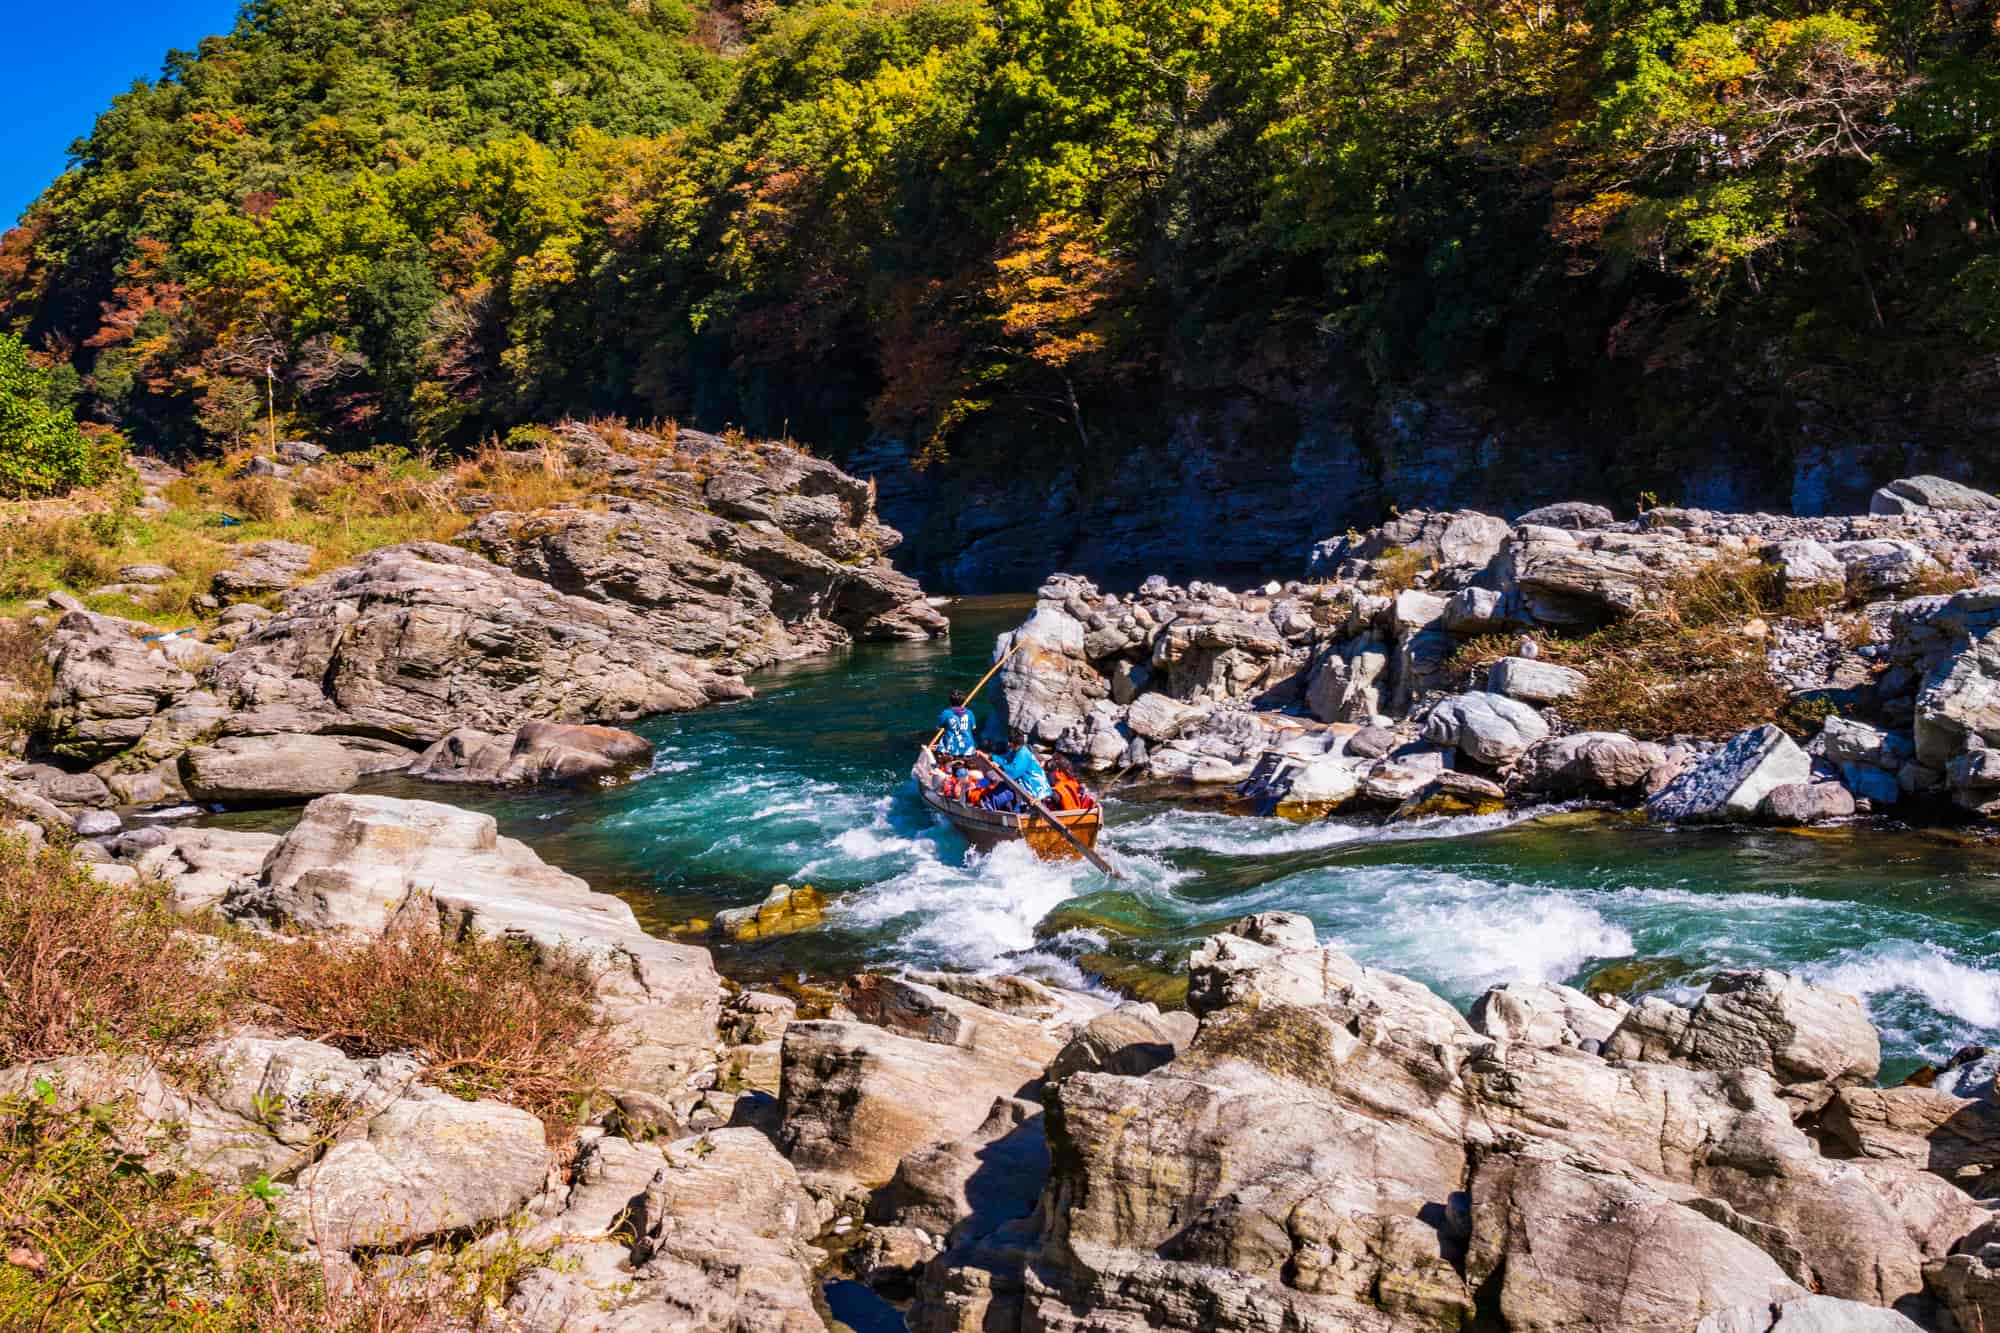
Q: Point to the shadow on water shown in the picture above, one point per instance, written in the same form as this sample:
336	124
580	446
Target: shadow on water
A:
860	1309
809	782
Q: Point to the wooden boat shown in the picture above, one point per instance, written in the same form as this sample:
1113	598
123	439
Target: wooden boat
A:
986	829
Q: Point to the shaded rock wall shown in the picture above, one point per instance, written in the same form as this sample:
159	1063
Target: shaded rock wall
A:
1229	491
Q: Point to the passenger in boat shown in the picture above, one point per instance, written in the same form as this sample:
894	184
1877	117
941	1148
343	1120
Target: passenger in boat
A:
1020	764
959	727
985	790
1070	794
953	782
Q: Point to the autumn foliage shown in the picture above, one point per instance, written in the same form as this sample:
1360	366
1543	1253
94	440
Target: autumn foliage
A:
985	223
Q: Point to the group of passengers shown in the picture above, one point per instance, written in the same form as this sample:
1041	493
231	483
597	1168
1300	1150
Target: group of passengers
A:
967	776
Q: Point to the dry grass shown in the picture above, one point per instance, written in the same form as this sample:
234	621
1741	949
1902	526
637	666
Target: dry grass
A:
90	1241
343	507
25	677
87	967
1398	568
1682	667
488	1018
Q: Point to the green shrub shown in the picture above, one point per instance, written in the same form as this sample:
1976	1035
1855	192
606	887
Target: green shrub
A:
42	452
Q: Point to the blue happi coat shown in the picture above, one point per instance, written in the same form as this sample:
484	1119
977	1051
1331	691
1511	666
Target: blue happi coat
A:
1024	768
958	731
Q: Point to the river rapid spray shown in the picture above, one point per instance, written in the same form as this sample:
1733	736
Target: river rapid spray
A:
809	782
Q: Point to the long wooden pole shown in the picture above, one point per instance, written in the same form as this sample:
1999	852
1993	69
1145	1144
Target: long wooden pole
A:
1042	810
1019	644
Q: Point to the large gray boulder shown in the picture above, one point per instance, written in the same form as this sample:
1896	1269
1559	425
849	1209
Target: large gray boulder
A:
1846	741
1048	684
1546	1014
1590	763
261	567
537	752
1884	567
426	1166
1571	1245
1732	782
1799	804
1533	681
413	641
1806	568
1490	728
1913	495
1925	1129
1575	515
1569	579
268	769
1959	702
107	687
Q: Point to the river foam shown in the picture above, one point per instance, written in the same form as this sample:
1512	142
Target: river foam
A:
809	783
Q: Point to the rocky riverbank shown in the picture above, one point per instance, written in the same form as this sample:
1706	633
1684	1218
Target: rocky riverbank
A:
1773	667
1311	1144
684	563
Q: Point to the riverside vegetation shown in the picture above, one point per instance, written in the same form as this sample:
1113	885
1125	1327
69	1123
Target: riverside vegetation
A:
983	228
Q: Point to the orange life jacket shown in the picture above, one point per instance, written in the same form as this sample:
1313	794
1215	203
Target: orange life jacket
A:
1070	794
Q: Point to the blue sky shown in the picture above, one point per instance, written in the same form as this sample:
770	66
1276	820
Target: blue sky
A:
65	65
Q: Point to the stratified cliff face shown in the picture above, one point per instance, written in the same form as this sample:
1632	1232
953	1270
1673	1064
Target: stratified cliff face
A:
1230	493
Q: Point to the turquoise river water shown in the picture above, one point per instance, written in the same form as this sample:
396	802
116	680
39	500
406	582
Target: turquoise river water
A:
809	782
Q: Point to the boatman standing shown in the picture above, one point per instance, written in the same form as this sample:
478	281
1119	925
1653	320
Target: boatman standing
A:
1022	766
957	722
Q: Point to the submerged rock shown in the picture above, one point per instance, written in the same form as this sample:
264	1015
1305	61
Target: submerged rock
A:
783	911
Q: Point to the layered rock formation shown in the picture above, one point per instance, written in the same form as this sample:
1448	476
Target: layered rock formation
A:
692	565
1315	1144
1339	1148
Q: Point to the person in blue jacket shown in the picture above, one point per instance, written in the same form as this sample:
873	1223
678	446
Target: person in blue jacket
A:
1021	765
959	727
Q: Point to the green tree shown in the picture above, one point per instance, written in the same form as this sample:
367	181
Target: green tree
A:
42	452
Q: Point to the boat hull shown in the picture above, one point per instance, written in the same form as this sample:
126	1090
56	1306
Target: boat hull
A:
987	829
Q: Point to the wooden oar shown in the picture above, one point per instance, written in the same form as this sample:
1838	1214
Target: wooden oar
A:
1022	793
1019	644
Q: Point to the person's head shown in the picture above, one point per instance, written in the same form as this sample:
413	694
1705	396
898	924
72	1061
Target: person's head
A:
958	698
1017	739
958	770
1059	766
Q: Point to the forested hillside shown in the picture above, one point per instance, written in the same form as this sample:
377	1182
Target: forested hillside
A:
958	222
